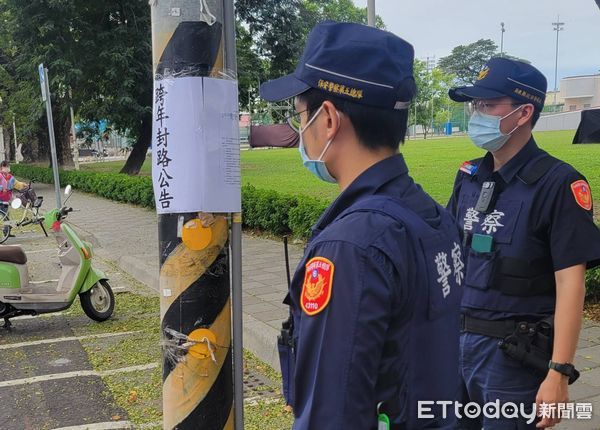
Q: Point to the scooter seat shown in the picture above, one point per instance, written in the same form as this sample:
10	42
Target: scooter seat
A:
12	254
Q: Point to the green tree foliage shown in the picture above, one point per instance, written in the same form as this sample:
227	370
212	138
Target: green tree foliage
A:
277	30
337	10
432	104
466	61
98	52
272	33
99	59
252	69
35	33
122	89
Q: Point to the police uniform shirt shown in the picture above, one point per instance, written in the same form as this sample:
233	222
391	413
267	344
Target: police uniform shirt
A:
545	226
352	299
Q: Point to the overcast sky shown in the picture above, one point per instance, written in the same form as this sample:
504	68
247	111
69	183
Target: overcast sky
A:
434	27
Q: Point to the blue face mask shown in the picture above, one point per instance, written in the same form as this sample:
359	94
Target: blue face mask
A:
316	167
484	131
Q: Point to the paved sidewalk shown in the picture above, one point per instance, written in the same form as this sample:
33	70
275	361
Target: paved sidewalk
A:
128	236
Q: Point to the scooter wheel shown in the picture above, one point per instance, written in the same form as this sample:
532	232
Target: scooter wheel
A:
98	303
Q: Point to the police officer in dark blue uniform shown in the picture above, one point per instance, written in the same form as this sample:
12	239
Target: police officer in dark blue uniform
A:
527	224
375	299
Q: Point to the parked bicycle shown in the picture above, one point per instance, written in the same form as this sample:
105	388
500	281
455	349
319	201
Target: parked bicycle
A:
99	154
30	204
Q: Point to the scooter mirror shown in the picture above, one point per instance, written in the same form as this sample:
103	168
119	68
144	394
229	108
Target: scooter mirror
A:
16	203
68	190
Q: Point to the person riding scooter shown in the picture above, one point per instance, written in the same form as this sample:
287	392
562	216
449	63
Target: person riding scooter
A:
8	183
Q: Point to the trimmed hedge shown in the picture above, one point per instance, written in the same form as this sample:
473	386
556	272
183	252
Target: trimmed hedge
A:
266	210
123	188
592	285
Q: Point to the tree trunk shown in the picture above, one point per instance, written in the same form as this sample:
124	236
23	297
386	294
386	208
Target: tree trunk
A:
140	148
62	128
40	151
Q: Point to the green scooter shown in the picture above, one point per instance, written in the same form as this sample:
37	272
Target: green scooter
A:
18	296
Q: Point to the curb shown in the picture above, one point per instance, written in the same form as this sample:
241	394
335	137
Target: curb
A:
140	271
261	340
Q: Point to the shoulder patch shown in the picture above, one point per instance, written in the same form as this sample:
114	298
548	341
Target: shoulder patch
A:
469	168
582	193
317	286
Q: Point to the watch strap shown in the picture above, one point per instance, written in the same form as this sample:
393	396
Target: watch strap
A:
566	369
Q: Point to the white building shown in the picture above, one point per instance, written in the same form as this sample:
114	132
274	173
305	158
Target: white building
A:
577	93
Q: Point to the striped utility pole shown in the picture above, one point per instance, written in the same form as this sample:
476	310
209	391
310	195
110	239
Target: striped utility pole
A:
195	116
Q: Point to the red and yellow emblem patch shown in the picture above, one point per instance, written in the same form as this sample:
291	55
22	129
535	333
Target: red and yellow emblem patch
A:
316	290
582	193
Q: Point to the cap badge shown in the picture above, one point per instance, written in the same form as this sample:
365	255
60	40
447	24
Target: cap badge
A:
484	72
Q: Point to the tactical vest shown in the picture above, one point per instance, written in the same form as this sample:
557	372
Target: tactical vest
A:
434	325
506	279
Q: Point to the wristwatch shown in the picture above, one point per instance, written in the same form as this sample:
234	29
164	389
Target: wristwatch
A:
566	369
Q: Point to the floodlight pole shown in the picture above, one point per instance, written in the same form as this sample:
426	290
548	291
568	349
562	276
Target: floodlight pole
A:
502	39
371	13
557	26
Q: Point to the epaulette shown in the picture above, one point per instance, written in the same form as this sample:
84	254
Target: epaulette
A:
533	172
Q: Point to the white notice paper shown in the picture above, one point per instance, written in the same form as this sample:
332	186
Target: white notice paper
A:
196	146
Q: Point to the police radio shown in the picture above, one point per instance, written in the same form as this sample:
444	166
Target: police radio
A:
285	340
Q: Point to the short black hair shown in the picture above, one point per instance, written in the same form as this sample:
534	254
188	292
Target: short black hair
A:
375	127
4	163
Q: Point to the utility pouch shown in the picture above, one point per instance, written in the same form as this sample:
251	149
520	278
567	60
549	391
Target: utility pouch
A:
531	344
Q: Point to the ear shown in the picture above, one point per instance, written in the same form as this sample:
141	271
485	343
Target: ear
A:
332	117
526	114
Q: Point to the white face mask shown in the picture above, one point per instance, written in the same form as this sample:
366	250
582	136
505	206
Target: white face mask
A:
484	130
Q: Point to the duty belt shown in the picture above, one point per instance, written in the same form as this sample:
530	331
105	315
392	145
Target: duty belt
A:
497	328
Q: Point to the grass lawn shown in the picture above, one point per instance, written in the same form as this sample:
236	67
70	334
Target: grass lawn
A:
433	163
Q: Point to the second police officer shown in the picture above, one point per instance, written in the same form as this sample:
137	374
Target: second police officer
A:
375	298
528	228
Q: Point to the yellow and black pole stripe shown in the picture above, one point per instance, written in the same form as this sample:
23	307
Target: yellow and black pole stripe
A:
194	253
197	381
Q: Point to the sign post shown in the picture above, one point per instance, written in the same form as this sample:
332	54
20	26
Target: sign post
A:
46	97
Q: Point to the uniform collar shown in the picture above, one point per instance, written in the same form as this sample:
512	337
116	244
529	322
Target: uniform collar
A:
370	182
513	166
